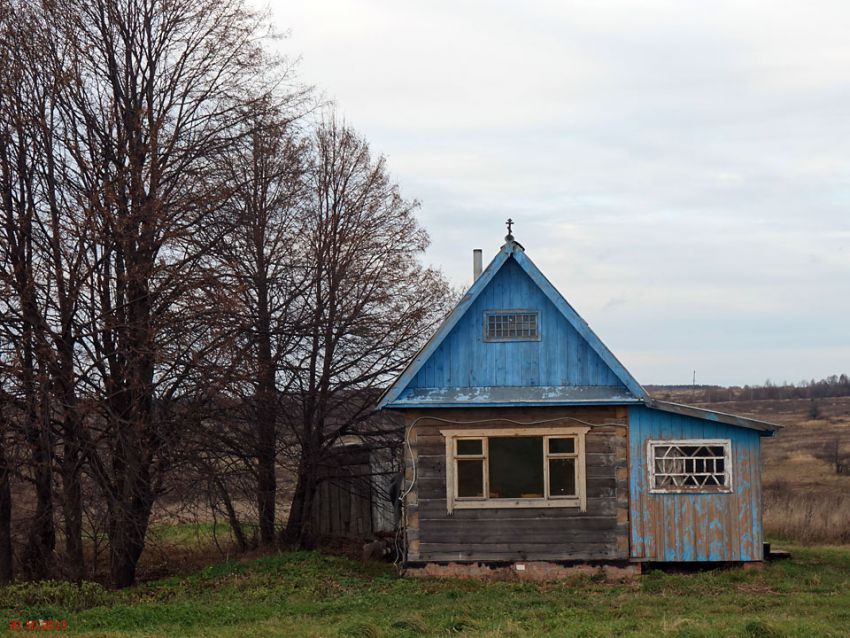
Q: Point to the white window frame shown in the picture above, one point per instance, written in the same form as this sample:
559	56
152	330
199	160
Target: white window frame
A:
511	311
453	502
685	489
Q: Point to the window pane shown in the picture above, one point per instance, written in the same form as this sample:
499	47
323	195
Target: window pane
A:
508	325
469	446
516	467
562	446
562	477
470	478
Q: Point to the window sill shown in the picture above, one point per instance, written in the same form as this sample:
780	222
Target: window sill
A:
510	503
692	492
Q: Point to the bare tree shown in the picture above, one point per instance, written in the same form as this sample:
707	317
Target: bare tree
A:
368	308
23	307
6	471
155	95
186	281
261	256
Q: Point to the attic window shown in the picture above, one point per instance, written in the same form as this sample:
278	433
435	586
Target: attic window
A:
511	325
690	465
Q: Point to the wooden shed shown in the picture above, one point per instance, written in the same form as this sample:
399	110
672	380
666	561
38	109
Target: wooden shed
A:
357	492
529	443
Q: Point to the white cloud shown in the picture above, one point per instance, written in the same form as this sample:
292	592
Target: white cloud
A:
679	170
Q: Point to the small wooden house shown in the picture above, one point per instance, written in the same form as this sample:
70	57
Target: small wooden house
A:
529	442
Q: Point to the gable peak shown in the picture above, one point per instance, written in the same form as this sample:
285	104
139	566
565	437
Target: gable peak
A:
511	243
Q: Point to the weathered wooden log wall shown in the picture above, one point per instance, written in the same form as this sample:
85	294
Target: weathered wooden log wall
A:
510	534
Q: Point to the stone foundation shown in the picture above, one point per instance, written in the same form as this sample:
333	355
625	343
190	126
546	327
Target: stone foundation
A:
524	571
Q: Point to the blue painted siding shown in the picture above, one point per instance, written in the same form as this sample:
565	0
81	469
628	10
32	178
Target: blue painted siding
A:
694	527
562	357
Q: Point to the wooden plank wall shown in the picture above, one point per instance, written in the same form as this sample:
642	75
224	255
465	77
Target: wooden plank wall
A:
507	534
386	467
562	357
343	505
695	527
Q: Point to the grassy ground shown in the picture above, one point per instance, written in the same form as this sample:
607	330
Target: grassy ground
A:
305	595
310	594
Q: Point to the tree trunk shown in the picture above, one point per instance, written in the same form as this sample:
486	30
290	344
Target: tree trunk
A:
266	444
128	525
266	481
41	540
72	510
232	518
266	397
125	549
137	428
5	520
299	527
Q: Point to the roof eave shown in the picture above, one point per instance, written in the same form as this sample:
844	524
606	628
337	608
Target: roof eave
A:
765	427
398	386
505	404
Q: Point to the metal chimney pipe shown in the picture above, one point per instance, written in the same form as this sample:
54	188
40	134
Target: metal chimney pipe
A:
476	264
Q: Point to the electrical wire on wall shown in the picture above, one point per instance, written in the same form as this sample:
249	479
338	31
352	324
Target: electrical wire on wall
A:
400	559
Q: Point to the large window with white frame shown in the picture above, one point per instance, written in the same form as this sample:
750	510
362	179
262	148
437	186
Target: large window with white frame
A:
690	465
519	467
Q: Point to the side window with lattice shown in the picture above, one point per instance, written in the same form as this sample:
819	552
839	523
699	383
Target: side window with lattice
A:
690	466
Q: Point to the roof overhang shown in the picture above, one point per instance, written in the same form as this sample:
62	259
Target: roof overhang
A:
493	397
766	428
507	396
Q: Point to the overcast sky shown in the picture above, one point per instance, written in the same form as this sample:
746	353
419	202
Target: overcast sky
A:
679	170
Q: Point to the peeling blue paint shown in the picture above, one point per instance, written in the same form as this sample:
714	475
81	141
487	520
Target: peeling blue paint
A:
688	526
514	396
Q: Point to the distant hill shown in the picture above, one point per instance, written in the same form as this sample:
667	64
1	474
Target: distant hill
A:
836	385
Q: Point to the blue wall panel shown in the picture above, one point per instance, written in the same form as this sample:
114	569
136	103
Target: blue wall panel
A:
694	527
562	357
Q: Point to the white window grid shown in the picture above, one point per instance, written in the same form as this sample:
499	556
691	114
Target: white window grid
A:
511	325
484	457
690	465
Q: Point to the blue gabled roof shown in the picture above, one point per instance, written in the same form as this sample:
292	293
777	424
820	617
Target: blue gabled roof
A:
569	366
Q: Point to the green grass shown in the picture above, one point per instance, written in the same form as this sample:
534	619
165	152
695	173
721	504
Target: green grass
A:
192	534
303	594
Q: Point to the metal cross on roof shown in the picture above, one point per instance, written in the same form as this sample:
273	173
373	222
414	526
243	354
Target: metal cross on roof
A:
509	224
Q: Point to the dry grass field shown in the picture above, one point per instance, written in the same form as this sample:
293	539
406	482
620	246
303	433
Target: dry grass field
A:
806	500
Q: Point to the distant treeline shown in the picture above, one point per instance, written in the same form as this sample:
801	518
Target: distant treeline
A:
831	386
